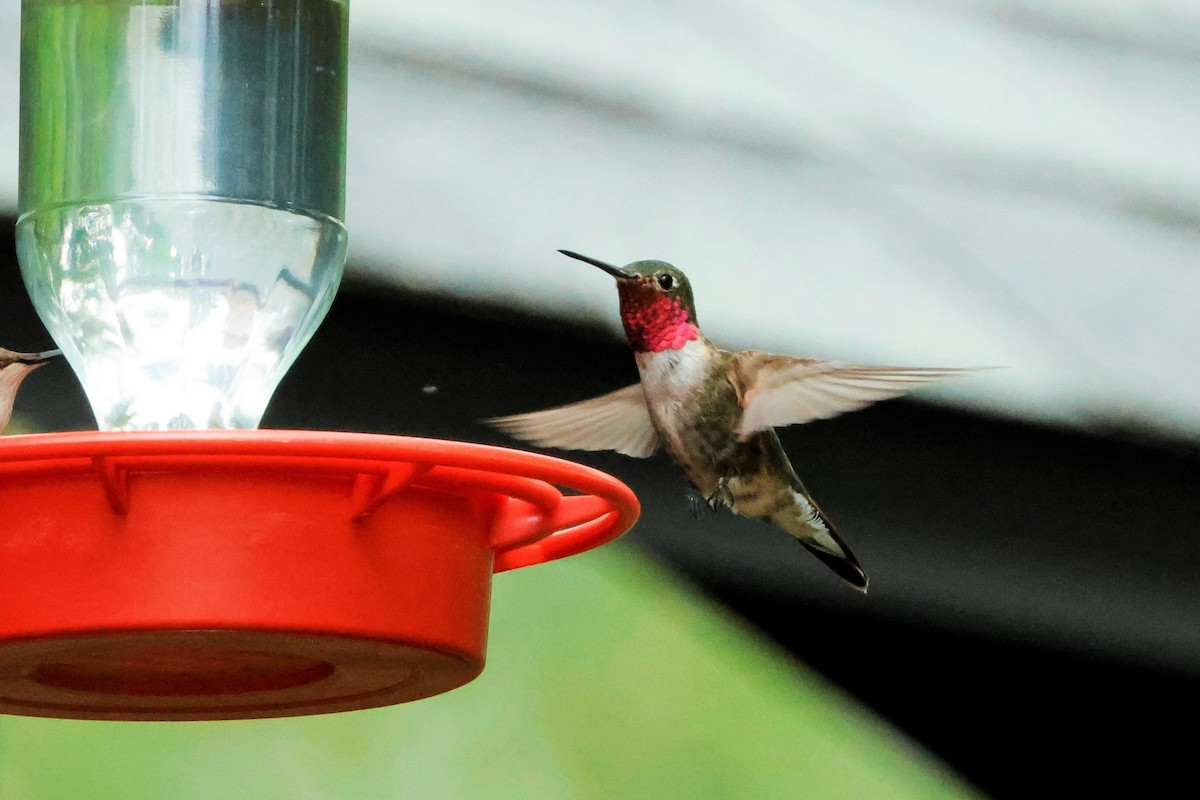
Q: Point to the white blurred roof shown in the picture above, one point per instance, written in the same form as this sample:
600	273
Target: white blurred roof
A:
930	182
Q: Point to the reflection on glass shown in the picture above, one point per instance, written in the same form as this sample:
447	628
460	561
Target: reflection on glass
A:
180	313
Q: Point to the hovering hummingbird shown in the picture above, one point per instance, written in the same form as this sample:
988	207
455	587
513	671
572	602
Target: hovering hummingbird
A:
14	367
715	411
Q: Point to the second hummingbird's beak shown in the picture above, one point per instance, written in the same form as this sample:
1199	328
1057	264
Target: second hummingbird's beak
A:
38	358
616	272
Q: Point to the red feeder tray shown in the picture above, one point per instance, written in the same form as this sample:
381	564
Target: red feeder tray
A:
227	575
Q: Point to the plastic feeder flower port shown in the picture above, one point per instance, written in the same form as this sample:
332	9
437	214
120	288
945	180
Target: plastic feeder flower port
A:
224	575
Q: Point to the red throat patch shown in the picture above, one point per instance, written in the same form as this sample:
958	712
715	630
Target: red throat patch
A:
654	322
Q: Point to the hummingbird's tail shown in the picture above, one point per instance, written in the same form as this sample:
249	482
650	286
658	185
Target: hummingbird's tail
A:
811	528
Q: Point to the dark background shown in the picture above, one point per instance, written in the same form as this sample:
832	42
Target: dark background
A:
1032	619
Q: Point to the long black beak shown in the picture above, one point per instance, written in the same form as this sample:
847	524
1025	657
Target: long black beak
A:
38	358
616	272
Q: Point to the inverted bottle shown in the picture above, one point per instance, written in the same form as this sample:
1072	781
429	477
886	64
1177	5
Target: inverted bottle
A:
182	195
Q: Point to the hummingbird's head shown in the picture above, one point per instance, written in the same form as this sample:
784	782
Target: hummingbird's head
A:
15	366
657	308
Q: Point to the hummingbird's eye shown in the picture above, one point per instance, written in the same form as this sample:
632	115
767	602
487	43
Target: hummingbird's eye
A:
666	281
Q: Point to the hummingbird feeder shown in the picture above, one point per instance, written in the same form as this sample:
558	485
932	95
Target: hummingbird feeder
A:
181	196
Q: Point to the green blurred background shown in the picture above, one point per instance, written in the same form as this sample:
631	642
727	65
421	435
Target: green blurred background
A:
606	678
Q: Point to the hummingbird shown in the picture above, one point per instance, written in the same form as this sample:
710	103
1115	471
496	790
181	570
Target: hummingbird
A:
715	411
14	368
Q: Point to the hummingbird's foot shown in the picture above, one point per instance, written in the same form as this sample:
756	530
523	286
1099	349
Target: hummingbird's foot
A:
721	497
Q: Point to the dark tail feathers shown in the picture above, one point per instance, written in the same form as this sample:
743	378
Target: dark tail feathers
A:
847	568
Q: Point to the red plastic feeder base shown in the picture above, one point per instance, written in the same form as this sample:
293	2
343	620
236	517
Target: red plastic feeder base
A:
228	575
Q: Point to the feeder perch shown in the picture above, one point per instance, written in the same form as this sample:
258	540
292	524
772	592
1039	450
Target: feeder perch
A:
180	235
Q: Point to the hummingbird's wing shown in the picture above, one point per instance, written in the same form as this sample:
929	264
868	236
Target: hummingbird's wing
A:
614	421
10	381
780	390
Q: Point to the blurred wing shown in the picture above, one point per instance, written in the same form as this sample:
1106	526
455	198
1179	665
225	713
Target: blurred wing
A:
781	390
615	421
10	381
